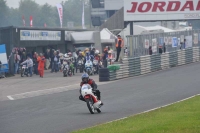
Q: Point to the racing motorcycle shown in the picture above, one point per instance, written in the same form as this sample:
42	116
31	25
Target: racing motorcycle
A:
79	66
92	102
96	66
89	67
24	71
65	70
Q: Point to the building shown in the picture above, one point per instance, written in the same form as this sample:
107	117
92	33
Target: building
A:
39	39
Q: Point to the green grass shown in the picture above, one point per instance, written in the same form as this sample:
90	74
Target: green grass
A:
183	117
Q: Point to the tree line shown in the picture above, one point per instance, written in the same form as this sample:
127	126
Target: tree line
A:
72	12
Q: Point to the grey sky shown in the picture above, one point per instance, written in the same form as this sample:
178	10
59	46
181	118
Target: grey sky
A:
15	3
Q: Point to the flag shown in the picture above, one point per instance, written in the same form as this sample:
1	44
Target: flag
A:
60	13
31	21
24	23
83	16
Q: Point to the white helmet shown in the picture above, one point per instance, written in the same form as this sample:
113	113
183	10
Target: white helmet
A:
65	55
97	52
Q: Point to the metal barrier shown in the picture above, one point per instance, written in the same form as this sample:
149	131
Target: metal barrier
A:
146	64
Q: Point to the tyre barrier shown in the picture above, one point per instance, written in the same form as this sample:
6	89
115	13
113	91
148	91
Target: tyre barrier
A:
146	64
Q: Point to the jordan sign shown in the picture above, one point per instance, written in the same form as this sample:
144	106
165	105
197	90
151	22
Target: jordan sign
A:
151	10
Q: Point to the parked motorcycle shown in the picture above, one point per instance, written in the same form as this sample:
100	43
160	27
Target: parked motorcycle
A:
24	71
79	66
93	103
89	67
96	66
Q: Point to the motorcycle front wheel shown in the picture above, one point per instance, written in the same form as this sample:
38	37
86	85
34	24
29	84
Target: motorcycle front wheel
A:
90	105
22	73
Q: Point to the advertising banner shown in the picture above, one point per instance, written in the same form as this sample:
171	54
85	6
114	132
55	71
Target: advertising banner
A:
154	45
161	41
174	42
196	38
60	13
3	58
169	40
146	42
151	10
188	41
166	40
26	35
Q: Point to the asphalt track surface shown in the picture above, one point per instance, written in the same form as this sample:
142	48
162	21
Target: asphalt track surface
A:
63	112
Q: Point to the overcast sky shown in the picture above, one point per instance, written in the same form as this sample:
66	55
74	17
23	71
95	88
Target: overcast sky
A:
15	3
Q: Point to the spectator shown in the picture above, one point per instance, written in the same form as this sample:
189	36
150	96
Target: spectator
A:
150	50
29	63
23	57
160	50
41	64
164	48
55	60
183	44
35	63
16	61
47	57
119	45
105	56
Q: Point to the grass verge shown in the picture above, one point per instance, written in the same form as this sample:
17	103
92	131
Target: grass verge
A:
183	117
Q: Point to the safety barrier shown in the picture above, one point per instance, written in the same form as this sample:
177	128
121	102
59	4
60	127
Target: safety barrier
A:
146	64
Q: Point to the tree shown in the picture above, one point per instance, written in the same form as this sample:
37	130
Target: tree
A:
47	15
29	8
4	13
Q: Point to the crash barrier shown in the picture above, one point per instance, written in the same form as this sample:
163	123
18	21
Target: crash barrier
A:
146	64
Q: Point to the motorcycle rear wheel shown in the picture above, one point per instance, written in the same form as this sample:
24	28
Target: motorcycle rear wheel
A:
98	110
90	106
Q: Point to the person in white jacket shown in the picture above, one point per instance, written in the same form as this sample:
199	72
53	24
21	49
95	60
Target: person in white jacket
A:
29	63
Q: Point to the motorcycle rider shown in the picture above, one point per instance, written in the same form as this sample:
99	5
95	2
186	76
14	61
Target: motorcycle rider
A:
86	80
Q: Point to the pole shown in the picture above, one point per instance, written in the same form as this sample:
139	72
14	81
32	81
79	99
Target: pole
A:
131	28
90	8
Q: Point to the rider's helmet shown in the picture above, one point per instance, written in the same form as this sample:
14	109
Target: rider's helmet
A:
87	52
65	55
97	52
80	53
85	78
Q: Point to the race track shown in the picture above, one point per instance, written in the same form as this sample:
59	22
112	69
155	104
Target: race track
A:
63	112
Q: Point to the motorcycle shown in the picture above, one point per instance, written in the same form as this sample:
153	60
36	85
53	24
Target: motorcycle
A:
79	66
89	67
65	70
92	102
24	71
96	66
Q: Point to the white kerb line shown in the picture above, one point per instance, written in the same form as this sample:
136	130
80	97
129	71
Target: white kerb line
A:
10	98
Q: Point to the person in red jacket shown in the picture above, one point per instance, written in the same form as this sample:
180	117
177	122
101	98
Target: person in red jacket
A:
41	64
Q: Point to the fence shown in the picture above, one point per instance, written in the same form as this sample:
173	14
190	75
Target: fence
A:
150	63
139	45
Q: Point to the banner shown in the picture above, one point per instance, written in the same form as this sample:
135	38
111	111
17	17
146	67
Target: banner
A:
60	13
26	35
31	21
166	40
3	58
83	16
169	40
154	45
196	38
174	42
161	41
146	42
188	41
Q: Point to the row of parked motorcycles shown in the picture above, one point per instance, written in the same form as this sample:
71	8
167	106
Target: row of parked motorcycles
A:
91	67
